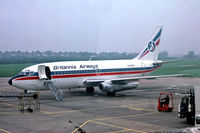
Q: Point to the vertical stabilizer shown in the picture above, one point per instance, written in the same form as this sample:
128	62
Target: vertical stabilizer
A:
150	51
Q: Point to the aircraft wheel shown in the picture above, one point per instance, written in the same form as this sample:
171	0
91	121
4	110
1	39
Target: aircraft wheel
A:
169	110
90	89
111	93
30	110
190	120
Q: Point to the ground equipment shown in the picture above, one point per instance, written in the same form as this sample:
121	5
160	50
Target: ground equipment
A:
187	107
165	102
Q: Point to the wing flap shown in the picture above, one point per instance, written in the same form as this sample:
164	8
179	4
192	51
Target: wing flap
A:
145	77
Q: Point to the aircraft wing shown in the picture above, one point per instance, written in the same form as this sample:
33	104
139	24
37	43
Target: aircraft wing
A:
145	77
95	82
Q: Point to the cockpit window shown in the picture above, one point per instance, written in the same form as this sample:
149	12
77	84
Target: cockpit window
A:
30	73
21	73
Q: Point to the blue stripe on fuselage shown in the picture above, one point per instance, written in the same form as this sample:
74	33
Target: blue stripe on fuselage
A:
71	72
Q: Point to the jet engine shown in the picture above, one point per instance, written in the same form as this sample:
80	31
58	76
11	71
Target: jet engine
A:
111	88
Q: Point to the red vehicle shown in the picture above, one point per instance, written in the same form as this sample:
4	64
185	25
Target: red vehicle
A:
165	102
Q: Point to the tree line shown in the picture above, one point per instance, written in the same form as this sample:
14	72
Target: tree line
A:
12	57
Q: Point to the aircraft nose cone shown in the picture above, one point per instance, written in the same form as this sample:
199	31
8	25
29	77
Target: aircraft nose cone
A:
10	81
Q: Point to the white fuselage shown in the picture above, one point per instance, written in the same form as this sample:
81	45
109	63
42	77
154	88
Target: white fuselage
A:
72	74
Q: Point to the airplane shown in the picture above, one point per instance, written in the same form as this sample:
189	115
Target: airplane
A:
110	76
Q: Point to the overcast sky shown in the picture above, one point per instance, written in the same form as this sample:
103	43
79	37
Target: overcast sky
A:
99	25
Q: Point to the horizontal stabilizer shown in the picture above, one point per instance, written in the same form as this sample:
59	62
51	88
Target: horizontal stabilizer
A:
158	62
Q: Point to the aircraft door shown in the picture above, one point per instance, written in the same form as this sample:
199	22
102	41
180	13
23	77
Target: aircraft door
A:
48	72
97	72
44	72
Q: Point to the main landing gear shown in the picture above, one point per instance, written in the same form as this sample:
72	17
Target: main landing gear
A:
90	90
111	93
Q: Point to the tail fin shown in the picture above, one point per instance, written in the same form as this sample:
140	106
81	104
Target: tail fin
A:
151	52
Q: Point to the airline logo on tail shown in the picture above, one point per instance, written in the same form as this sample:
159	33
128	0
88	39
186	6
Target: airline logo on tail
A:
153	43
151	46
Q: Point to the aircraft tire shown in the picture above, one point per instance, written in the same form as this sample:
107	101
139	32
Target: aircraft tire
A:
90	89
111	93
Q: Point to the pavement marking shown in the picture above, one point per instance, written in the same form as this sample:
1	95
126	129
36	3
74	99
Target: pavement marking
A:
95	120
45	112
81	126
5	131
136	108
111	125
90	109
8	104
120	131
79	98
8	112
124	116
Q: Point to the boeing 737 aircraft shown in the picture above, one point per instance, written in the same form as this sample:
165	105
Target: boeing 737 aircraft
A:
109	76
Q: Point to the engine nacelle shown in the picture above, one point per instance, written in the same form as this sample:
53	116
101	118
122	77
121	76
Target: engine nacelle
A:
109	87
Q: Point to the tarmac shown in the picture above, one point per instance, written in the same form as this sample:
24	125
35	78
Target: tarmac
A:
129	111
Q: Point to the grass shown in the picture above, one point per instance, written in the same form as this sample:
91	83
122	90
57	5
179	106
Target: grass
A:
9	70
191	67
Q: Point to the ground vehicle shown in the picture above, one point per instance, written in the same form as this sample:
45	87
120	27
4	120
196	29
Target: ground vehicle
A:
187	107
165	104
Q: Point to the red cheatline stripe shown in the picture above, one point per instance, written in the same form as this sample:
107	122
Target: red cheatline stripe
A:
27	78
145	54
157	43
87	75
